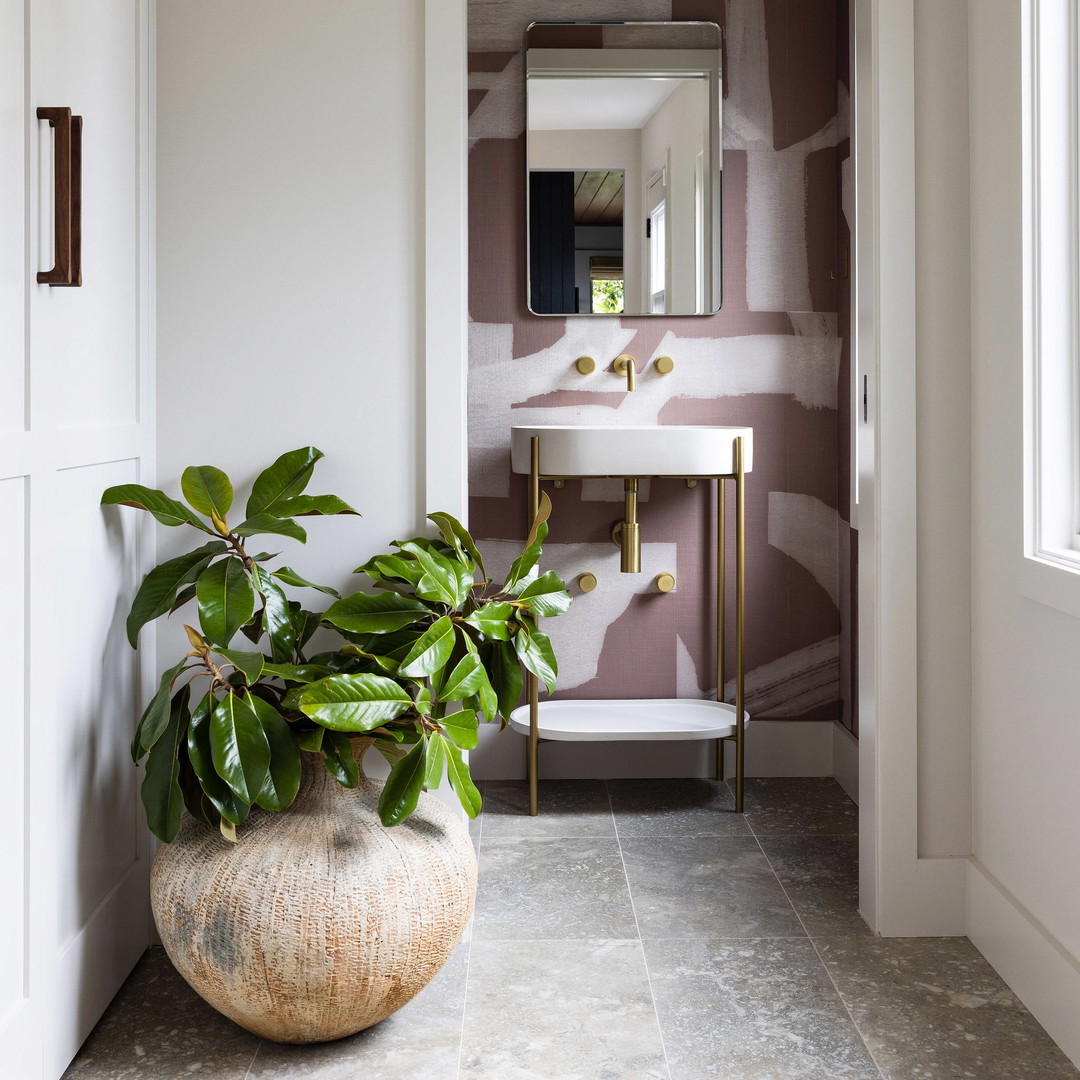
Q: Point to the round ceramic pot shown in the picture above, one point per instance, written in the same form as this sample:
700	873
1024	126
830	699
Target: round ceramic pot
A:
320	921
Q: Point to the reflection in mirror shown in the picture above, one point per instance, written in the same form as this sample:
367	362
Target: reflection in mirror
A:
624	168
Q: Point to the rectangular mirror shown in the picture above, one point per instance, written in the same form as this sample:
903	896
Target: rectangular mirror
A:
624	168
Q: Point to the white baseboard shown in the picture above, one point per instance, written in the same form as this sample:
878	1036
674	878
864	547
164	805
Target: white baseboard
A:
773	748
845	761
1037	967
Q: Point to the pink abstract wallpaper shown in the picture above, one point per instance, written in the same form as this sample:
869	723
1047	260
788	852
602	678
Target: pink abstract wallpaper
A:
774	358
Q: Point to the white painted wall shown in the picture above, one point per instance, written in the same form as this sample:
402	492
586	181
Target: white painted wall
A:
943	404
1022	885
290	255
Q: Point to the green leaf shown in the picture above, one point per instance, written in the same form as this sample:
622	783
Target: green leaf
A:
155	717
277	620
283	776
466	678
161	793
310	505
462	727
390	751
401	792
285	479
350	702
158	591
435	766
457	536
221	796
340	760
461	781
313	740
207	489
299	673
226	600
305	623
392	568
183	596
546	595
431	651
291	577
492	619
445	580
167	511
504	670
258	524
382	613
250	663
521	566
239	747
535	652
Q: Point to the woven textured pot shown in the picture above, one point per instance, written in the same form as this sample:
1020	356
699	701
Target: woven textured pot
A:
321	921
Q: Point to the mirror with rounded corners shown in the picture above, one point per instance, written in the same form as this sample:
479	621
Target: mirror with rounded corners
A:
624	168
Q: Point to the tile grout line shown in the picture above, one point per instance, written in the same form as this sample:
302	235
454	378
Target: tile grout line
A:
251	1063
817	953
472	934
637	927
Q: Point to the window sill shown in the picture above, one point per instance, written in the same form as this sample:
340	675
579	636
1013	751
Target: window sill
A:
1053	580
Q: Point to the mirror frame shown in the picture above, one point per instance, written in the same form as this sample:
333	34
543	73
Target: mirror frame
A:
713	228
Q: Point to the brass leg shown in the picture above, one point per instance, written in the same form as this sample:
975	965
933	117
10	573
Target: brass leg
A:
532	749
532	684
721	605
740	620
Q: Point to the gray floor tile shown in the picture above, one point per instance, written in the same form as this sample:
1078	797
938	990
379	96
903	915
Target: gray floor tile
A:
552	888
691	807
560	1010
476	823
752	1009
420	1040
799	806
933	1008
821	877
706	886
566	808
158	1028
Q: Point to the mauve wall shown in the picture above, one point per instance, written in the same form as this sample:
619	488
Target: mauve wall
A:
774	358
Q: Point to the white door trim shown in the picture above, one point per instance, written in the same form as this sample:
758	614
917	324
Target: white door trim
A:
445	311
900	893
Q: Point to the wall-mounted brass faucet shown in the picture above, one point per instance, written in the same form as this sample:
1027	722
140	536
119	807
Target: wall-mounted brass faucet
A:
630	533
626	365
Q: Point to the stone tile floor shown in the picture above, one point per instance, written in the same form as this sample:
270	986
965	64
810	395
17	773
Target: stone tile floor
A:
639	930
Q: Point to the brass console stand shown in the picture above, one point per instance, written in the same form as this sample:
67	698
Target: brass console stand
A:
532	686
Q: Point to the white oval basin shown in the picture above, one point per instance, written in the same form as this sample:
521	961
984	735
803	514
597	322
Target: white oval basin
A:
659	450
632	720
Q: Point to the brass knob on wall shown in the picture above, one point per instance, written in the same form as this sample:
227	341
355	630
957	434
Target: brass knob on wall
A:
585	364
586	582
665	582
664	365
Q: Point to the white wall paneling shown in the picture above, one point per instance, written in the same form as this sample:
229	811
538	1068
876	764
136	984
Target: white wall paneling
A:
74	419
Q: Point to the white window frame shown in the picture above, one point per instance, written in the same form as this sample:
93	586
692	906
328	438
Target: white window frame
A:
1050	571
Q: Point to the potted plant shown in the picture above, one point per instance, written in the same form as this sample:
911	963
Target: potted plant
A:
324	919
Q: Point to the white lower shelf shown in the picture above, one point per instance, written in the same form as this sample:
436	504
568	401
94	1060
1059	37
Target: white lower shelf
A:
637	719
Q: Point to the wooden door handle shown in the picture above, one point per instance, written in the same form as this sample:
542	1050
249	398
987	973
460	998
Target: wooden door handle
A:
67	198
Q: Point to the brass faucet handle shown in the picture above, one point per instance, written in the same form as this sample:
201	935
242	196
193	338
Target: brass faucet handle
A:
665	582
586	582
585	364
664	365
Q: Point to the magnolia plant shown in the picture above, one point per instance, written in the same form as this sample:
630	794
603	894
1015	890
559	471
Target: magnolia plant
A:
418	663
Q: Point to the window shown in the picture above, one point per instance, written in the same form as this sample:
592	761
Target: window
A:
1052	302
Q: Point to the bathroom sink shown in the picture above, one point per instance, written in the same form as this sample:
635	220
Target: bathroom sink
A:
659	450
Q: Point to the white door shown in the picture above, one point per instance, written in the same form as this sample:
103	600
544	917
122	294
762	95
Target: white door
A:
74	418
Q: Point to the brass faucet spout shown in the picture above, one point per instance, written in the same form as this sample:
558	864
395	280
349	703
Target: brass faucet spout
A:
626	365
630	538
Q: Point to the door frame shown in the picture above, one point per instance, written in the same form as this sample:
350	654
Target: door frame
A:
900	893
